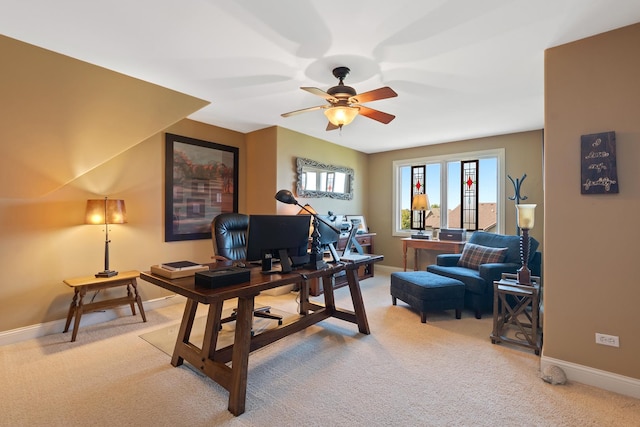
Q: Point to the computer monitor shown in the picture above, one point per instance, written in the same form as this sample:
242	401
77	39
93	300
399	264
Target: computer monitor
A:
328	236
284	237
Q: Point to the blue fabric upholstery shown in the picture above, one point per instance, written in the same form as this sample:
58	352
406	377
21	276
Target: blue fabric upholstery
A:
425	291
479	283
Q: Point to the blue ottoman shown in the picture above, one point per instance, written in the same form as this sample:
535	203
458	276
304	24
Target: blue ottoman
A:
425	291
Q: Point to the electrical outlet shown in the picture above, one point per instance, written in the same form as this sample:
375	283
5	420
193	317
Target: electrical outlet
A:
610	340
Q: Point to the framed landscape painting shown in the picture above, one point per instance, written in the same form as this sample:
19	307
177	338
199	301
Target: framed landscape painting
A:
201	181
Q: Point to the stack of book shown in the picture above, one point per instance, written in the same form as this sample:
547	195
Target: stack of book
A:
178	269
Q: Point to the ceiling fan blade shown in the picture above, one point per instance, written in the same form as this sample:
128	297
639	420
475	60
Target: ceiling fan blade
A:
331	126
320	93
304	110
376	115
373	95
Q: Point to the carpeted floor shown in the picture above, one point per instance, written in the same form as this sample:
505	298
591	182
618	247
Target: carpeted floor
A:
443	373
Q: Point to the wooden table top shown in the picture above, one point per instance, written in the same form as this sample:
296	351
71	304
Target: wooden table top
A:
92	280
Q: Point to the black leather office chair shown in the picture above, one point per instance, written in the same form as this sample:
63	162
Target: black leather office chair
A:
229	235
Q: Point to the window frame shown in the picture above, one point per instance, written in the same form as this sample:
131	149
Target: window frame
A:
498	153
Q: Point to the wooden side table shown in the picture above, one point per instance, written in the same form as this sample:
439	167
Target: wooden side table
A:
81	285
428	244
516	310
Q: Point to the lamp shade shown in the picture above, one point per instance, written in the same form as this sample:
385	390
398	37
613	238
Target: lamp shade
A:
285	196
526	216
105	211
307	209
341	115
420	202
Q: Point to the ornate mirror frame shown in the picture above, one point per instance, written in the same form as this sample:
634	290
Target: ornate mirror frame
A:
307	165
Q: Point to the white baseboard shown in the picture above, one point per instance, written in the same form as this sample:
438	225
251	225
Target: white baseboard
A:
56	326
595	377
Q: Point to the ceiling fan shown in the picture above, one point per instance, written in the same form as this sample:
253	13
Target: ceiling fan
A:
345	104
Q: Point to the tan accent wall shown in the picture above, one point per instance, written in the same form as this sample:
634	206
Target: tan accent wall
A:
523	154
292	145
44	239
61	117
591	282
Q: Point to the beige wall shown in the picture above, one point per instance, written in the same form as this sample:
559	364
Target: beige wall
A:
44	239
591	283
523	154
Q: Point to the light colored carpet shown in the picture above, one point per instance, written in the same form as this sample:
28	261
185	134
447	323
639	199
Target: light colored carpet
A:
443	373
165	338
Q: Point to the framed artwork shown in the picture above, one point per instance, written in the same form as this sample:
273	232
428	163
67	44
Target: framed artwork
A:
362	225
201	181
598	170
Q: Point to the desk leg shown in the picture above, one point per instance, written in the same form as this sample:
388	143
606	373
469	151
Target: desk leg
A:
138	300
79	309
416	259
211	331
329	298
72	310
404	254
358	302
240	356
304	297
185	331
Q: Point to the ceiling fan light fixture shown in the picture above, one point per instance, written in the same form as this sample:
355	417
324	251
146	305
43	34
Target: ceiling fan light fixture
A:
341	115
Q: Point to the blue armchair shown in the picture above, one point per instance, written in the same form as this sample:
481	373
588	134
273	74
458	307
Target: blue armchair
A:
479	281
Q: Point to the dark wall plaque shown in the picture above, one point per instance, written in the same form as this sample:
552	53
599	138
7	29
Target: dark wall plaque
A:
599	174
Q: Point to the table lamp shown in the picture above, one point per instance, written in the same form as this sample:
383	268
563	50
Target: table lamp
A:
105	211
420	202
525	218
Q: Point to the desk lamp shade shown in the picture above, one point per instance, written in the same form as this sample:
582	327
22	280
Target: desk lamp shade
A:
105	212
525	216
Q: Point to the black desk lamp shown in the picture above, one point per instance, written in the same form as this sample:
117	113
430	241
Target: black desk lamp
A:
316	260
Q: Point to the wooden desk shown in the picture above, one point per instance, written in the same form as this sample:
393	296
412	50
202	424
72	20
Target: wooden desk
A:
81	285
214	363
428	244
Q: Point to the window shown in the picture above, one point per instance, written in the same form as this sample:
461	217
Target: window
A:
465	190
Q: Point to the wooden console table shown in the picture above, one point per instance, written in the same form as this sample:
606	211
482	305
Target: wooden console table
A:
365	271
428	244
81	285
214	362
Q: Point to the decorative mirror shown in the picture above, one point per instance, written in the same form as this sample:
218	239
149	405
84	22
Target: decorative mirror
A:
320	180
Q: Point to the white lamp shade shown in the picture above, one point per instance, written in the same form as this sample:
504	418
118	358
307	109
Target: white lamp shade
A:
115	211
340	116
526	216
420	202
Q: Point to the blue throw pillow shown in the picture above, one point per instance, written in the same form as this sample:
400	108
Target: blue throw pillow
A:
473	255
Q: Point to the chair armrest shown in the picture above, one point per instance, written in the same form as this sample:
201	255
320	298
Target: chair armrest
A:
493	271
447	260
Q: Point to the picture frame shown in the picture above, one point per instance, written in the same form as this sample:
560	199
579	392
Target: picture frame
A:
362	227
201	181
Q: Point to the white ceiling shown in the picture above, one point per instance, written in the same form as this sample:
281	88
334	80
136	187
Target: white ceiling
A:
462	68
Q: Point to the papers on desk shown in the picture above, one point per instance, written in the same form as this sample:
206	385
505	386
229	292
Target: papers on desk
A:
354	257
176	270
180	265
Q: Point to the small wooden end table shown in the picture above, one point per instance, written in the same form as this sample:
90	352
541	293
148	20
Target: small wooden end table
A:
81	285
516	307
